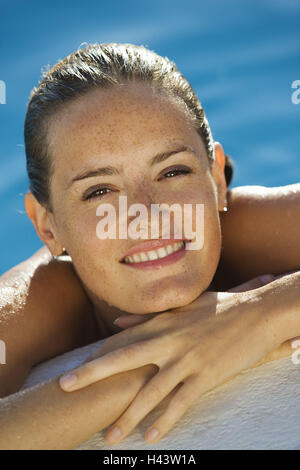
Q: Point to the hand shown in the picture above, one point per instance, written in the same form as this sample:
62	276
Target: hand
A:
196	348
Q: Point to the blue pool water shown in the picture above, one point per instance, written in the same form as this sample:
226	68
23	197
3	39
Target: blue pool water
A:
241	56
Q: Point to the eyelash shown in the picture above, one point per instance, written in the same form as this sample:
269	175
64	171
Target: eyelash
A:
94	194
178	171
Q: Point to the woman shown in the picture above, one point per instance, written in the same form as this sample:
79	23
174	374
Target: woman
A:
113	120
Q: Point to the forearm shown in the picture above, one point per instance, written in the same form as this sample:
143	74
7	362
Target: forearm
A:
46	417
278	306
275	308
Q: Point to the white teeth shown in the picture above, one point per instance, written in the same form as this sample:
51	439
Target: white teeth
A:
169	249
152	255
161	252
144	257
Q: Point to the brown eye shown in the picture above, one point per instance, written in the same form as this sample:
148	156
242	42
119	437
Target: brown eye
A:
177	171
99	192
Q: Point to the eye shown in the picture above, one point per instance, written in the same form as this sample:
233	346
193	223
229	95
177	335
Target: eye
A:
98	192
179	170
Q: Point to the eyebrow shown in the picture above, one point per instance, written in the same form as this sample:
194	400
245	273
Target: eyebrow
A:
110	170
161	157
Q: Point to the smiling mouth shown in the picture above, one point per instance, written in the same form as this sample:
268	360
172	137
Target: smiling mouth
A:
154	254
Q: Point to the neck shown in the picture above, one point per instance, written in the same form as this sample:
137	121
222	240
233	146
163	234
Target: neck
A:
105	315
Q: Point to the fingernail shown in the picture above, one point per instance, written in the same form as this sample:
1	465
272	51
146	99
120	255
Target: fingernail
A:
152	434
267	278
66	381
114	434
116	321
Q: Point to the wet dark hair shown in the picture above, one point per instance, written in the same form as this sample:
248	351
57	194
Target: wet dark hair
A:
105	66
228	169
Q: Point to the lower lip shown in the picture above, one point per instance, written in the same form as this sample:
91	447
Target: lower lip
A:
160	262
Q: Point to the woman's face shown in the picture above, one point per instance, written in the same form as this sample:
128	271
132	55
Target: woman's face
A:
122	130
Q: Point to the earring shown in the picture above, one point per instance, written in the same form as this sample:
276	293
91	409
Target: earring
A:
225	209
64	252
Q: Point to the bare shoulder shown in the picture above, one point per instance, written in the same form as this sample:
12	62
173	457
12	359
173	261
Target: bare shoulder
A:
261	231
254	194
44	312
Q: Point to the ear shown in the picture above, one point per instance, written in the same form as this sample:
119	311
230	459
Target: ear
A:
218	173
43	222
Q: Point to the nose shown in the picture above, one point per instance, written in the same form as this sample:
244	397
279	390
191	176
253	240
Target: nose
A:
154	214
139	202
142	195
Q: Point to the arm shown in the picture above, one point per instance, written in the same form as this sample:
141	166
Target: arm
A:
261	232
43	313
213	339
71	418
45	417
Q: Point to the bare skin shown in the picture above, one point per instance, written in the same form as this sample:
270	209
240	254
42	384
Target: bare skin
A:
25	287
112	403
73	218
70	418
260	233
44	313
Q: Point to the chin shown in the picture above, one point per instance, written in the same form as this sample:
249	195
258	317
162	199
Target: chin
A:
160	300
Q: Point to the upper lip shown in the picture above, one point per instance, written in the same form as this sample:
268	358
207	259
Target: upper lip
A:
152	245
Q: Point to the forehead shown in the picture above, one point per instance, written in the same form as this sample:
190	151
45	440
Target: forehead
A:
118	121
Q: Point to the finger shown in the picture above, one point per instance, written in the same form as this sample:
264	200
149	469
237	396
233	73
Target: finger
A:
146	400
126	321
183	399
130	357
253	283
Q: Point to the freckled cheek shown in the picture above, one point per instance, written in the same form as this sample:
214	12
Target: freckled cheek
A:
195	196
80	234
